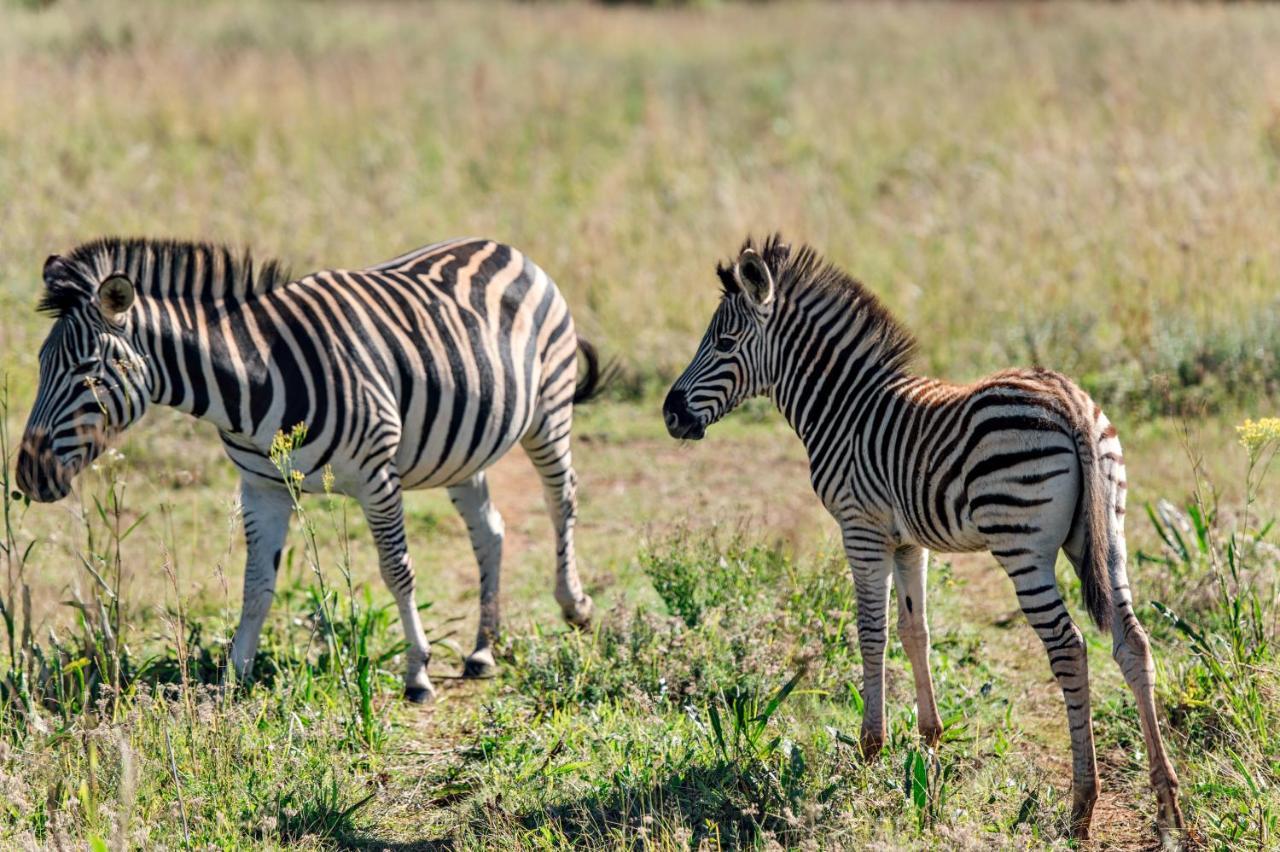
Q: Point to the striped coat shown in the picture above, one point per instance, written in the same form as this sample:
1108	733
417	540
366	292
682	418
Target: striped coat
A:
416	373
1022	464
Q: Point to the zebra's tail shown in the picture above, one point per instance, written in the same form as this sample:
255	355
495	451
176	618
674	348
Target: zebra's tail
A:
597	377
1095	563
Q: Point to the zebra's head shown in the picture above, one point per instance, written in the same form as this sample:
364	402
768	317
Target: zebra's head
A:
92	384
731	363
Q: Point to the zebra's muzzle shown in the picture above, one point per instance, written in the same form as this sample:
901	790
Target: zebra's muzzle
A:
39	474
681	422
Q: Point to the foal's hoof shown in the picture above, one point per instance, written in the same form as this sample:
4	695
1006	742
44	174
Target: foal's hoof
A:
1081	818
871	744
479	665
1172	829
419	694
579	614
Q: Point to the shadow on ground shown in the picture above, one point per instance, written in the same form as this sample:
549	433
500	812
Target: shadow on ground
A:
720	803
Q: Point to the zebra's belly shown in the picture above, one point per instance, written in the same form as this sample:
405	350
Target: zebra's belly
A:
963	540
446	451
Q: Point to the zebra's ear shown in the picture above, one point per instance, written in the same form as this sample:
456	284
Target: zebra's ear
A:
115	296
754	277
53	266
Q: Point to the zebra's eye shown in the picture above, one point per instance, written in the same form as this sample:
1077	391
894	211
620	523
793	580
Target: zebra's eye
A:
726	343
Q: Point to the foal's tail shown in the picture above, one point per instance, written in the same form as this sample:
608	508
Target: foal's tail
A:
1093	512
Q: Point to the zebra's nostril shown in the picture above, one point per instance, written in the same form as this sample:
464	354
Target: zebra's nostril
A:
675	405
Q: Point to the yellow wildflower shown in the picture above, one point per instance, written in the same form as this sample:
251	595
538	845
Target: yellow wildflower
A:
279	444
1257	434
326	479
298	476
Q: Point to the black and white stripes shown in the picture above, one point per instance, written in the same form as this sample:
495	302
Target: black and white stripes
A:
416	373
1021	463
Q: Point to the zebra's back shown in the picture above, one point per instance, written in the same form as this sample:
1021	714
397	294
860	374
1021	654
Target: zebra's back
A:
440	358
962	465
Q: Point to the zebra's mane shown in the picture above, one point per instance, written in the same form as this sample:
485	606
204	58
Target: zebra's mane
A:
158	268
805	271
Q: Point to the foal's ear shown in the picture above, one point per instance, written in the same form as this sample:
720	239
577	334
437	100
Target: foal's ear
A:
53	266
754	277
115	296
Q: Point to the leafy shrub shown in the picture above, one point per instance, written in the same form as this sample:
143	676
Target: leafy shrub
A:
1222	599
693	577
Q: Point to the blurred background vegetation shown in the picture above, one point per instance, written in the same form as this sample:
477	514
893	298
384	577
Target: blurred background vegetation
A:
1032	184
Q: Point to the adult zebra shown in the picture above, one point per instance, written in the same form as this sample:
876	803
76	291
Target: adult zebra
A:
416	373
1021	463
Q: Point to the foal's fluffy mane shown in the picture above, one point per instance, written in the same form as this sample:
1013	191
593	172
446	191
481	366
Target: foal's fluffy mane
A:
803	273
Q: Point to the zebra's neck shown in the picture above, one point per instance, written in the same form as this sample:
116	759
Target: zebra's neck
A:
194	302
831	366
184	345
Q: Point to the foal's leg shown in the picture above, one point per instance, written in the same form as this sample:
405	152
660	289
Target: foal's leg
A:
267	509
870	559
910	564
1132	651
484	525
384	510
547	445
1129	644
1033	577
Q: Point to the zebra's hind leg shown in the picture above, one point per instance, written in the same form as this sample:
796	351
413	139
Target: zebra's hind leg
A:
910	565
383	505
1033	577
1132	651
547	445
484	525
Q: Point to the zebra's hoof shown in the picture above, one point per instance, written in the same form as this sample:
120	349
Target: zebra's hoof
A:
579	615
1081	817
871	744
1169	822
479	665
419	694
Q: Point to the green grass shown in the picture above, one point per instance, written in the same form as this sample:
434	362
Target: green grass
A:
1090	188
723	712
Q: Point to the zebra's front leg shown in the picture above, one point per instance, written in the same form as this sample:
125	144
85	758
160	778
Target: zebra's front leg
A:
869	552
384	509
484	525
548	449
910	564
266	509
1033	577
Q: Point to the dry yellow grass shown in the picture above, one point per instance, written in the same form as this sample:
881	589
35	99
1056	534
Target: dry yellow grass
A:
1053	182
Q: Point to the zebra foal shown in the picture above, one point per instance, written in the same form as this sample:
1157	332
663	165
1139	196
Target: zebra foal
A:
416	373
1022	464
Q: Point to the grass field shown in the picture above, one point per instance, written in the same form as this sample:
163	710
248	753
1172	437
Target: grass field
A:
1091	188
